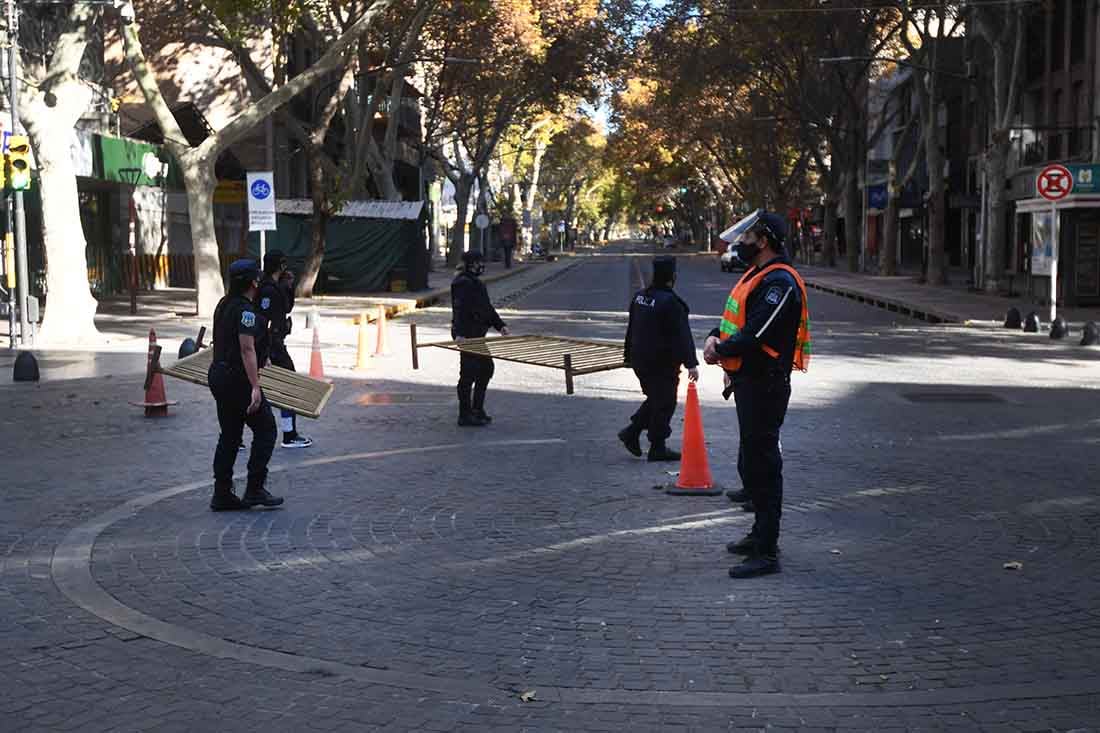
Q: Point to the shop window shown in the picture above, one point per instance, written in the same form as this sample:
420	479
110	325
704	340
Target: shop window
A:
1078	31
1036	47
1058	34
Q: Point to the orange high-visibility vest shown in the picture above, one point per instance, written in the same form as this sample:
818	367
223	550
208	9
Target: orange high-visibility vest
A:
733	319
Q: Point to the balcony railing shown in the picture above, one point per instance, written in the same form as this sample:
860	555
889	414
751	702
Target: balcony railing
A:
1032	146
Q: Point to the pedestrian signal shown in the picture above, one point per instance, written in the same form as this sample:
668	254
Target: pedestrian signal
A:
17	163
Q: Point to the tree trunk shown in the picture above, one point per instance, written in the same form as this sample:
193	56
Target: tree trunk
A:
463	188
993	240
828	247
529	202
70	308
198	177
889	248
316	252
937	270
318	232
852	225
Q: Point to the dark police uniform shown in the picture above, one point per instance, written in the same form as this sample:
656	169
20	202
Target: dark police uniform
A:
762	390
472	315
276	300
236	316
658	341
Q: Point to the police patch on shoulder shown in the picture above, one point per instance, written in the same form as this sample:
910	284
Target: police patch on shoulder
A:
773	296
248	319
265	303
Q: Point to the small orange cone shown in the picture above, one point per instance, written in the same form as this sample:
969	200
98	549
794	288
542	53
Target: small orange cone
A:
362	358
381	348
316	368
694	478
156	399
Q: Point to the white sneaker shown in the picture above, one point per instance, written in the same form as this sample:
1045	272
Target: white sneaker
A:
299	441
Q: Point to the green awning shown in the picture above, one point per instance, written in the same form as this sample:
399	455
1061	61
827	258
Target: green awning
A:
119	159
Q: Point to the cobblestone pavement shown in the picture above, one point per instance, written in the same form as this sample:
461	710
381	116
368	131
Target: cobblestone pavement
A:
528	577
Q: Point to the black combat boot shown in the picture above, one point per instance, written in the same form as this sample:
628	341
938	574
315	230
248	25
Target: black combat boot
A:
754	565
658	451
629	436
466	416
744	546
224	500
477	405
740	496
256	495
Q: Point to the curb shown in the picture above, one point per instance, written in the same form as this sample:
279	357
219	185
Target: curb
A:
931	315
396	307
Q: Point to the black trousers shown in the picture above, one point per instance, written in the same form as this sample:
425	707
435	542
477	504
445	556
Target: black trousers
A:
659	386
761	408
508	258
474	372
232	393
280	357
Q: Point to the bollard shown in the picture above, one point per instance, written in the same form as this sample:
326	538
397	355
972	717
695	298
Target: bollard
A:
1013	318
26	368
1031	323
1059	329
1090	336
362	358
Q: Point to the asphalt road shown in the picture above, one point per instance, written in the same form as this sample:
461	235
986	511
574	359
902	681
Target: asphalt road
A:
526	576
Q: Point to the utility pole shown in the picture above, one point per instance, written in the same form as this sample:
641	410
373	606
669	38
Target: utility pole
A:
17	196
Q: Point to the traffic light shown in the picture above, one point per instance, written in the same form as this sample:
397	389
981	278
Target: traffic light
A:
17	163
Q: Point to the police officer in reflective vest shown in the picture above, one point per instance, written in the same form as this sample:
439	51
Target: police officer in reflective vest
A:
240	347
764	333
472	314
658	341
276	300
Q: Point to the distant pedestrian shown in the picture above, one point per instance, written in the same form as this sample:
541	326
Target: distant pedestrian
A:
472	315
764	333
240	347
658	342
276	299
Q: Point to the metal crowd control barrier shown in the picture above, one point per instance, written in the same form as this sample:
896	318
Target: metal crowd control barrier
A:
283	388
576	357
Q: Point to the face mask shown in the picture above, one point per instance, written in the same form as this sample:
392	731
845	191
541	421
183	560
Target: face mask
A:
476	269
746	252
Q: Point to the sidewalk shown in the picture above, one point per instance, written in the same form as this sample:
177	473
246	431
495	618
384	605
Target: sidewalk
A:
936	304
171	313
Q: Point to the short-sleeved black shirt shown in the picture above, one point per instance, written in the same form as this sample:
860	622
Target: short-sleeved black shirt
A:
234	316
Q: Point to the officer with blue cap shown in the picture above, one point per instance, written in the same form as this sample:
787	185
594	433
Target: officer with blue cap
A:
240	347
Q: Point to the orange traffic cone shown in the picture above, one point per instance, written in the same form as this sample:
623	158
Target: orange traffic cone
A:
362	358
316	368
156	399
695	478
380	347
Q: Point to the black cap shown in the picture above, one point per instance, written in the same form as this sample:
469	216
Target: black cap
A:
240	269
774	227
273	260
664	269
469	258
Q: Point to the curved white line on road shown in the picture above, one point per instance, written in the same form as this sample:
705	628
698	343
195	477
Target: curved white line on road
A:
71	570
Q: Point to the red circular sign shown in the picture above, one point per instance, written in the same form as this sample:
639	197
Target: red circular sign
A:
1054	182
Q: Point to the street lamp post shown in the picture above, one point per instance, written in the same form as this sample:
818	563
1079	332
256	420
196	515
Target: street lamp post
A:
132	176
20	221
